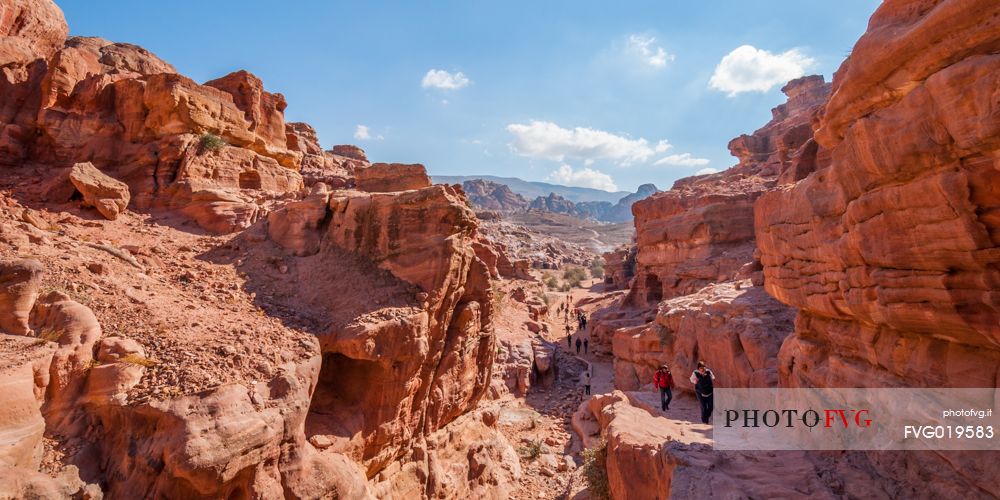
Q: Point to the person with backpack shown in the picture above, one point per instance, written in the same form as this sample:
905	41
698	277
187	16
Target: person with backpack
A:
702	379
664	381
585	380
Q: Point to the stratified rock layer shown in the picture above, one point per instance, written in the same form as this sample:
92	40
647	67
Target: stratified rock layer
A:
413	353
215	152
891	249
702	230
736	328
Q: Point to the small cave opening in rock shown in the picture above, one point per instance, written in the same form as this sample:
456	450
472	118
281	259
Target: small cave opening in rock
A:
336	409
250	180
654	289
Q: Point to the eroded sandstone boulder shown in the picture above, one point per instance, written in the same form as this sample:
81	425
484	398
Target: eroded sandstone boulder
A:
19	283
109	196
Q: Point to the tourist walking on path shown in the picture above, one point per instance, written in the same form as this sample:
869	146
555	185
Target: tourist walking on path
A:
702	379
664	381
585	380
569	337
578	344
585	342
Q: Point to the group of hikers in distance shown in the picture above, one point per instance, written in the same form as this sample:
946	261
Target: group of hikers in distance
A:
581	324
702	377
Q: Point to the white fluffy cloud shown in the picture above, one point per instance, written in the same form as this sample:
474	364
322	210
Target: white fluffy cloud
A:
363	133
648	53
547	140
441	79
705	171
749	69
681	160
585	177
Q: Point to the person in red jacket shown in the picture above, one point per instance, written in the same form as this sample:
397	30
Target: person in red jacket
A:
664	381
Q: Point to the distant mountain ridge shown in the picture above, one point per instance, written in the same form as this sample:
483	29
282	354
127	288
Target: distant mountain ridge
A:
489	195
533	189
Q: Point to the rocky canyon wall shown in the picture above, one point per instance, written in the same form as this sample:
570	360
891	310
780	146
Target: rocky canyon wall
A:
695	291
891	249
219	153
335	347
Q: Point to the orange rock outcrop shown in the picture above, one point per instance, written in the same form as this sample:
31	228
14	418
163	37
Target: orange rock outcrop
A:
890	249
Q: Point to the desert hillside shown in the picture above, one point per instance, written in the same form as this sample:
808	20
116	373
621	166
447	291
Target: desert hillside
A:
198	300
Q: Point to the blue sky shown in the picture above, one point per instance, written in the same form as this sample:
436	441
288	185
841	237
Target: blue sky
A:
585	92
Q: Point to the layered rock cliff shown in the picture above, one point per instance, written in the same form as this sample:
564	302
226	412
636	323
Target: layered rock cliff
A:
701	231
694	280
871	218
220	152
891	249
332	348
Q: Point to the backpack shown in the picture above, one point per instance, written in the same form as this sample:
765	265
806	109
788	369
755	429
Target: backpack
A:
704	385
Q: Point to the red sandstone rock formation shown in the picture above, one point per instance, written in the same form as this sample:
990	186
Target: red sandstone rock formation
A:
692	296
619	266
387	177
107	195
701	230
736	328
890	249
335	168
119	107
407	357
389	281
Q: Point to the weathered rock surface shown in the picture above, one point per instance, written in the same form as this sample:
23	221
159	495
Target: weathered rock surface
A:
675	459
127	112
109	196
467	459
388	177
19	282
736	328
701	230
619	267
335	168
890	249
29	30
409	348
489	195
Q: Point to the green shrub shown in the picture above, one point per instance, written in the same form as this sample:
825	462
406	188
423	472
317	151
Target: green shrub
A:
595	470
574	275
531	450
597	268
211	142
552	283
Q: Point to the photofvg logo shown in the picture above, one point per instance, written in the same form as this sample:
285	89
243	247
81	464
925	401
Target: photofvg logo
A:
827	418
856	419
